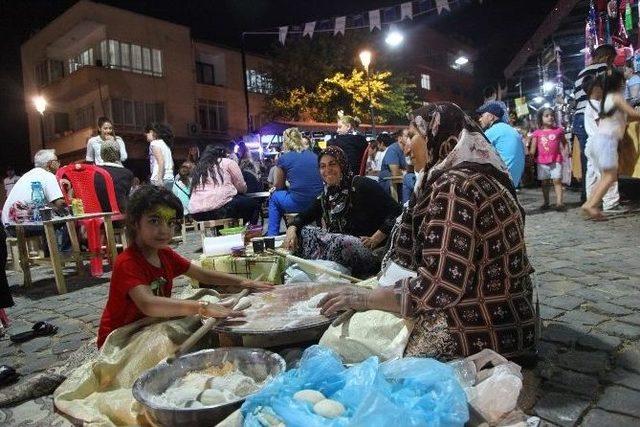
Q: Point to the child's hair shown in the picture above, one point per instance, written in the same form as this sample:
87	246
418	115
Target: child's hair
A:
611	81
102	120
162	132
541	113
143	200
208	166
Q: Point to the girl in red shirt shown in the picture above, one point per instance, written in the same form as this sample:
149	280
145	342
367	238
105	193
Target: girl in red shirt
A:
143	274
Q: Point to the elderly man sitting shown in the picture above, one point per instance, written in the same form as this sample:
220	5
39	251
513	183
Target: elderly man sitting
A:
506	139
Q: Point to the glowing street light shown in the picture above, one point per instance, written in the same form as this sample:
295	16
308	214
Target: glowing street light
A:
538	100
462	60
365	59
548	86
394	38
40	103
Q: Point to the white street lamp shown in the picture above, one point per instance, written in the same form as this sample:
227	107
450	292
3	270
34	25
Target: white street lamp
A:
462	60
548	86
365	59
538	100
40	103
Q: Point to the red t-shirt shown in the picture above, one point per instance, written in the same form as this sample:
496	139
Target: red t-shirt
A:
131	269
548	145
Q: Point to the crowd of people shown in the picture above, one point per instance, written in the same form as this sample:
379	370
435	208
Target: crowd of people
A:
431	209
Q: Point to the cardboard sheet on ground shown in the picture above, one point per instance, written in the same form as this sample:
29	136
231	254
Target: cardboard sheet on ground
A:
98	393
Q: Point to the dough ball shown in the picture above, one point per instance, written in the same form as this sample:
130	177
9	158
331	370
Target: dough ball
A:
311	396
329	408
212	397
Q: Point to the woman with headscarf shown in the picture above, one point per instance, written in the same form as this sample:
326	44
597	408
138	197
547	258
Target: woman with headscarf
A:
298	166
460	247
350	141
356	216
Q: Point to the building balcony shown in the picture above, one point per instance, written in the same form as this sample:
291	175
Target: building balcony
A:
70	141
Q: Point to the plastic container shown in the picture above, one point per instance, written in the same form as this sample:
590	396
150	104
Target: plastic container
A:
232	230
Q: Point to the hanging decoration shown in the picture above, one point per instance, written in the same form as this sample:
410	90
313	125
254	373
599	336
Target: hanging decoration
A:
628	18
308	29
374	20
406	10
442	5
341	22
282	34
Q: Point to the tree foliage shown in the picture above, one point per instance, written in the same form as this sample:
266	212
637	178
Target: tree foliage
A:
314	79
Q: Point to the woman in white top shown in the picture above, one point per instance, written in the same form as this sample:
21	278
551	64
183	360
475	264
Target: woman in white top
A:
614	112
105	133
160	158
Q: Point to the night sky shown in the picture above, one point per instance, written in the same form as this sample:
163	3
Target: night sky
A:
497	29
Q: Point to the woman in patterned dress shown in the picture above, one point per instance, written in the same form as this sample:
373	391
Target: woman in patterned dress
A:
462	238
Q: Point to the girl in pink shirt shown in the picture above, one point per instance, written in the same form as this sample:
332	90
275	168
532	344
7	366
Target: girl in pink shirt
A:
547	144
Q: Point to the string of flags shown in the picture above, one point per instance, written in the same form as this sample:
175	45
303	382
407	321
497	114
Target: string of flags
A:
373	19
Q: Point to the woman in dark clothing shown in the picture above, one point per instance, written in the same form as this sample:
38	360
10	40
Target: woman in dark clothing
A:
353	144
5	296
356	214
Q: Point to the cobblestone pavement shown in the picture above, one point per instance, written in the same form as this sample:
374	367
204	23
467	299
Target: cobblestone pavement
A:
589	289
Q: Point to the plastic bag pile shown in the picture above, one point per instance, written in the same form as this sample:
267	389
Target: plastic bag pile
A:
405	392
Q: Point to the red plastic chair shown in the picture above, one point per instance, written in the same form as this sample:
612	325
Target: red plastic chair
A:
82	178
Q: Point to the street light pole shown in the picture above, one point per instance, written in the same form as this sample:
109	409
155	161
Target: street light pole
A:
42	129
41	105
365	58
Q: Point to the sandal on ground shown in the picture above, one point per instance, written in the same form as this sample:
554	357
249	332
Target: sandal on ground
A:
40	329
590	214
8	375
561	208
545	207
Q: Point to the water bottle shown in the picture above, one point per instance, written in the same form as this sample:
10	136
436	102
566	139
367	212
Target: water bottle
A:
38	199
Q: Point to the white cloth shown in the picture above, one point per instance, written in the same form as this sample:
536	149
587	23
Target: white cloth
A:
168	161
591	114
93	150
9	182
21	191
611	198
549	171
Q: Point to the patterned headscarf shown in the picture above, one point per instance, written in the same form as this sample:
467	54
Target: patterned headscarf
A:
292	140
336	199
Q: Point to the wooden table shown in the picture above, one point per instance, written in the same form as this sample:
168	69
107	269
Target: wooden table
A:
55	257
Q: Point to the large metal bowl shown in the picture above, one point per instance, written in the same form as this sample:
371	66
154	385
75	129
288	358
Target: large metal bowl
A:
257	363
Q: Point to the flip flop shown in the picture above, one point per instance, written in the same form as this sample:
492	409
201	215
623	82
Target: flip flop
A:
8	375
40	329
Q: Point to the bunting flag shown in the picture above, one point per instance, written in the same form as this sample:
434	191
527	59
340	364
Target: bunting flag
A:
442	5
374	20
308	29
282	34
341	22
406	10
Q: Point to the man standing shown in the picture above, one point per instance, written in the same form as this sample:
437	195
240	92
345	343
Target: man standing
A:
506	140
603	58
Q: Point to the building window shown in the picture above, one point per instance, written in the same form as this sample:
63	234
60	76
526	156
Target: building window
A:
49	71
258	82
205	73
83	59
425	81
212	116
85	117
135	115
131	57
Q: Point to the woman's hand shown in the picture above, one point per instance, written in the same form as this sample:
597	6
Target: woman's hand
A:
257	285
219	311
374	241
348	297
291	238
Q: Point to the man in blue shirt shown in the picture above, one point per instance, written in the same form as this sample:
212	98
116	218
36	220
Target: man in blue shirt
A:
393	162
506	140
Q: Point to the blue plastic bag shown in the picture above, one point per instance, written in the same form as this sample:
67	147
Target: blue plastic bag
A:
408	392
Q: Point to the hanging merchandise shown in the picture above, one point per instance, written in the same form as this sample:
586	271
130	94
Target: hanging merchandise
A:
628	18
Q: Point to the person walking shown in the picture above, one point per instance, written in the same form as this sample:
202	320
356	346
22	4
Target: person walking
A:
160	158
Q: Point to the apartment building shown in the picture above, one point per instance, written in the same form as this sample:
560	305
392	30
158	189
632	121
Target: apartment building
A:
96	60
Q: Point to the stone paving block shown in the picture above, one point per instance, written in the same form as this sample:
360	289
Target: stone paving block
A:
624	378
574	383
65	346
624	330
608	308
582	317
561	408
69	326
629	301
629	358
612	289
549	313
599	418
79	312
588	362
39	364
621	400
75	336
634	319
599	341
559	288
560	332
35	345
565	302
591	294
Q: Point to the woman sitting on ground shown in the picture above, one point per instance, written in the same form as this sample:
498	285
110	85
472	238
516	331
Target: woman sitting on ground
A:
460	244
356	214
217	189
298	165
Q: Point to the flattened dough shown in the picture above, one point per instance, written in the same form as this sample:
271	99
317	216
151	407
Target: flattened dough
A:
329	408
311	396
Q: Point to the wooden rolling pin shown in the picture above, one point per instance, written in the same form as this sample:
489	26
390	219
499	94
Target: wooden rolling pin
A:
208	325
